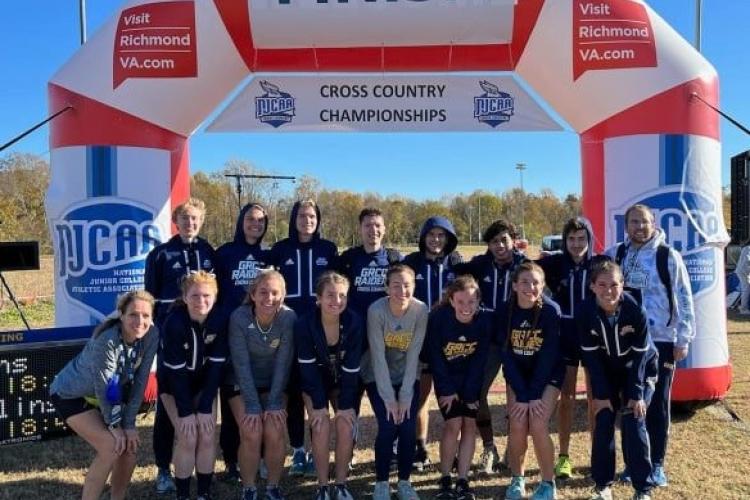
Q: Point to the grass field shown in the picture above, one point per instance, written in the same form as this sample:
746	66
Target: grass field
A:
709	456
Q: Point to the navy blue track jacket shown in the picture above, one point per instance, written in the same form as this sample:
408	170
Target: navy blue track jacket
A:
318	370
458	352
366	273
529	343
433	276
620	352
302	263
494	280
567	281
193	358
237	264
168	263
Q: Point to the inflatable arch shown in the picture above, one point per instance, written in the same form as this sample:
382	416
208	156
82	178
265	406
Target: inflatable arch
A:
613	69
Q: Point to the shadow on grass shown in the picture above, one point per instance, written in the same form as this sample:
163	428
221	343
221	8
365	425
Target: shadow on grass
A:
38	489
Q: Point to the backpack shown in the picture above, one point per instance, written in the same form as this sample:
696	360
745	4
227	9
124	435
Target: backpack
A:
662	267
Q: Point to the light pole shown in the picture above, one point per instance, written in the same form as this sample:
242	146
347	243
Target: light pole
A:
521	167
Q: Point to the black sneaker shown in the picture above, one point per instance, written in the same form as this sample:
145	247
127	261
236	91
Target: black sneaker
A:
463	491
445	492
231	473
421	460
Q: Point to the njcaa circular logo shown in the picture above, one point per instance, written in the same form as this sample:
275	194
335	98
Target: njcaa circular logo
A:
690	222
101	245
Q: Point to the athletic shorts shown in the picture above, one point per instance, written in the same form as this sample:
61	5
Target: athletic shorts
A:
458	409
570	342
67	408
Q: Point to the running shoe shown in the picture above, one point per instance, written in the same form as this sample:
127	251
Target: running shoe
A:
405	491
545	491
517	488
563	467
165	482
299	463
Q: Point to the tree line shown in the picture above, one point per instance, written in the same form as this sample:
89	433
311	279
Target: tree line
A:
24	179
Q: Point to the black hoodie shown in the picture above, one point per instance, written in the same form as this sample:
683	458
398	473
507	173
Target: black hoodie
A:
432	276
302	263
238	263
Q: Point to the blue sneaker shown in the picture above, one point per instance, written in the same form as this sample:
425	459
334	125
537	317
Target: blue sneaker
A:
624	476
545	491
249	494
299	463
274	493
517	488
659	477
310	466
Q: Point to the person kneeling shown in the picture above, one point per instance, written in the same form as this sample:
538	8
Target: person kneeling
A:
98	393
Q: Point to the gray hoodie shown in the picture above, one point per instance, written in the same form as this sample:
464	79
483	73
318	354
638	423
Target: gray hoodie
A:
87	375
395	344
261	360
639	271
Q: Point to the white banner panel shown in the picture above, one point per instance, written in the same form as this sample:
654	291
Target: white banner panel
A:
408	103
280	24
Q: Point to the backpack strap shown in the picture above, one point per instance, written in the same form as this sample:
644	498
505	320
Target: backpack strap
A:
622	249
662	267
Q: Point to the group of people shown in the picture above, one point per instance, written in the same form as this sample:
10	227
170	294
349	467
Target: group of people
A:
271	334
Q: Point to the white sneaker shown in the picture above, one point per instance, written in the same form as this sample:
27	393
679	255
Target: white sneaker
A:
603	494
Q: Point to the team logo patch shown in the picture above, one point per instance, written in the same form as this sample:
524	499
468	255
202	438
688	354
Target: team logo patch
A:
321	261
626	329
274	107
289	262
101	246
493	107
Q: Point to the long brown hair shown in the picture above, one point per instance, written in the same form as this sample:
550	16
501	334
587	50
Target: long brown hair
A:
123	301
524	267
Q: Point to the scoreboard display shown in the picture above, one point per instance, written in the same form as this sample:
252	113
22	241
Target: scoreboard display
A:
29	361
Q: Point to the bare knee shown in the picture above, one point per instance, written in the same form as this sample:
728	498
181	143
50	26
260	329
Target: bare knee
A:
539	426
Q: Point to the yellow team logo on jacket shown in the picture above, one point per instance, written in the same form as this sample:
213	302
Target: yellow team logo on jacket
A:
399	340
454	350
526	342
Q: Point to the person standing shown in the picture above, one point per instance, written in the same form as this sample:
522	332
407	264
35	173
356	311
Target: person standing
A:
622	362
261	341
367	264
656	276
194	347
238	262
529	340
493	271
396	326
743	274
301	259
98	393
329	348
458	336
567	275
433	266
166	266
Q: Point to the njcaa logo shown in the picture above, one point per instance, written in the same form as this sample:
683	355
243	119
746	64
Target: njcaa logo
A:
275	107
493	107
689	220
101	245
